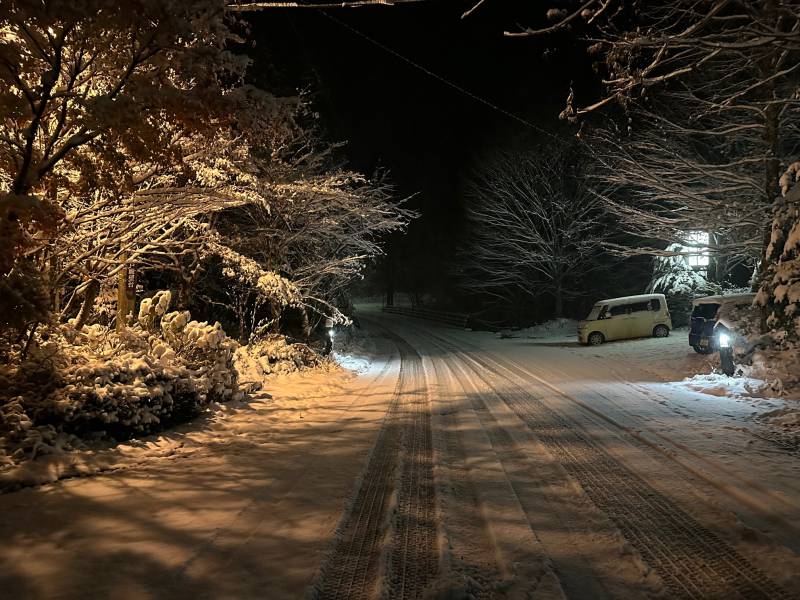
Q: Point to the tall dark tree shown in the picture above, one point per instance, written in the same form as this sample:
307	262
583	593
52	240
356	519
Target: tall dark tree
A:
533	226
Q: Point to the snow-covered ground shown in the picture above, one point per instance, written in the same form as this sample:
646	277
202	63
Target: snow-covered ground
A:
670	367
240	503
440	461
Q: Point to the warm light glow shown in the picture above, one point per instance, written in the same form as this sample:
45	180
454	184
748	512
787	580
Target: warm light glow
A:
697	240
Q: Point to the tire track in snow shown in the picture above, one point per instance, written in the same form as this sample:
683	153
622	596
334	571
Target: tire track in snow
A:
413	556
470	558
353	568
692	560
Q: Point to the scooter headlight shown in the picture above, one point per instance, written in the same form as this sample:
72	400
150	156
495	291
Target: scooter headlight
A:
724	340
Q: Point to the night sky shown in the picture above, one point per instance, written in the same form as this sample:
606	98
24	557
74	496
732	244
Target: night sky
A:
396	116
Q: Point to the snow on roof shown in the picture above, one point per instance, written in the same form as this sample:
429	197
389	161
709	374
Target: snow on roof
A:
639	298
724	299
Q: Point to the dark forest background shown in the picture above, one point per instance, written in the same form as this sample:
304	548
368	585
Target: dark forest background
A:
431	137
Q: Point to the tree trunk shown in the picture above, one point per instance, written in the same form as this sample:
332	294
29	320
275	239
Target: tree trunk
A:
558	296
305	323
55	291
122	296
389	280
718	263
89	296
771	163
771	173
73	300
188	275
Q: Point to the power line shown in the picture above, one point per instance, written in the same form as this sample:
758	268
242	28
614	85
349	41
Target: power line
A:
254	6
438	77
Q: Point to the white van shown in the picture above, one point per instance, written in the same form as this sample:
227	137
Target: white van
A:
624	318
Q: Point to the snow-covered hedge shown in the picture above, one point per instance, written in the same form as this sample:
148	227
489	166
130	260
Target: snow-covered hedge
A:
97	382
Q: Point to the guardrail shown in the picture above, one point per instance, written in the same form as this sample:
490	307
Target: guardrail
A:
451	318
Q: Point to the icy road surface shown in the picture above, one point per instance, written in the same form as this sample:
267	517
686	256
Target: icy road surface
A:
454	465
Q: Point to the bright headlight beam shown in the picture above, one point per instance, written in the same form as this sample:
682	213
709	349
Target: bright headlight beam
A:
724	340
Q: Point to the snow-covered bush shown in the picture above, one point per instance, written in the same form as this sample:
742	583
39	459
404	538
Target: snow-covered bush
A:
273	354
97	382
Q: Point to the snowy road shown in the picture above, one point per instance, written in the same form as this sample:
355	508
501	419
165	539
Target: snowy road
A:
458	465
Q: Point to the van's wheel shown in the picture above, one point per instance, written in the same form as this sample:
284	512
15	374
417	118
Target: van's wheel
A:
660	331
596	338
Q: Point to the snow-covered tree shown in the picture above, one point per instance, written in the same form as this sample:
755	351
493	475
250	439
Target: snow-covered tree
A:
533	226
780	287
85	87
672	274
123	149
665	182
317	230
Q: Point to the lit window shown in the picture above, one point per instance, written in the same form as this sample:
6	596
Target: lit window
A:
697	247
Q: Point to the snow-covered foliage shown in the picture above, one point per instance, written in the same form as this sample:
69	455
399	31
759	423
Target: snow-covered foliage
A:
268	285
672	275
770	357
99	382
90	109
780	289
272	354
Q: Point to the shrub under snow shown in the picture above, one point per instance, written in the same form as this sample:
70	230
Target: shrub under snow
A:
97	382
272	354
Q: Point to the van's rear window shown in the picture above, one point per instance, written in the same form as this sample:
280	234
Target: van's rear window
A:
706	311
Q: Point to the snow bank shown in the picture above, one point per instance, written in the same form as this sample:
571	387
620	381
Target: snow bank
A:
719	384
556	328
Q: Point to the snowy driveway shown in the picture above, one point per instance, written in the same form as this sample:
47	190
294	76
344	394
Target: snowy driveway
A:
459	465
